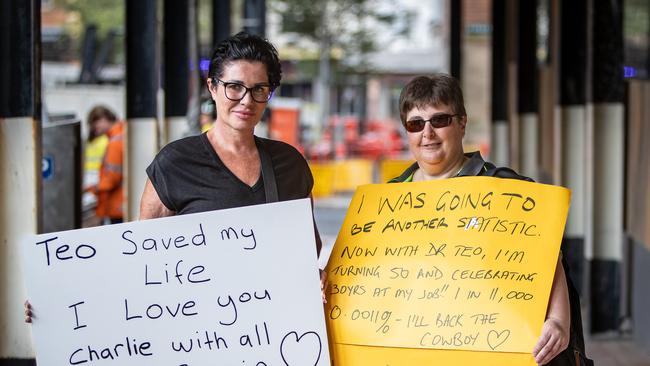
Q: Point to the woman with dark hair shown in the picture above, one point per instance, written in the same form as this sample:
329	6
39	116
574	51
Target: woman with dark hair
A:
228	166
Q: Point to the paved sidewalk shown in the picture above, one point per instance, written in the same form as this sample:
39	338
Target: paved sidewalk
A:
616	350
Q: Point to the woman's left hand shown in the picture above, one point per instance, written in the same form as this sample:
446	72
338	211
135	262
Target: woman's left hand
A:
29	312
554	339
323	284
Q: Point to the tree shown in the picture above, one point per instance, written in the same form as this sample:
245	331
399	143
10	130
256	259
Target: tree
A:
107	15
350	26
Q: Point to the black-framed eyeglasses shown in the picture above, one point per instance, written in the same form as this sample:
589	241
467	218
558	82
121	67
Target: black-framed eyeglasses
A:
260	93
437	121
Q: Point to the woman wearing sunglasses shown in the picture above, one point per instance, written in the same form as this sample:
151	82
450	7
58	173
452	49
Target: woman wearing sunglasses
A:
228	166
433	113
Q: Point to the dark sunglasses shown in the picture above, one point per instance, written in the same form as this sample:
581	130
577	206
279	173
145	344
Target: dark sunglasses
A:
437	121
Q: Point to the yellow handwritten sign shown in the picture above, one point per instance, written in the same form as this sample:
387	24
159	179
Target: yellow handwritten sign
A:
460	264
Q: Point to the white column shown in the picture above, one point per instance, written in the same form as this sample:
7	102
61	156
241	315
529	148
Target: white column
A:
528	146
20	172
140	149
500	148
177	127
574	167
609	173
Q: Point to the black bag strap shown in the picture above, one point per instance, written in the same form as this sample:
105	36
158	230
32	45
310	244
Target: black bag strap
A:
503	172
268	174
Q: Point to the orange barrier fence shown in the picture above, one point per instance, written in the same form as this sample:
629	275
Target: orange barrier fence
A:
389	169
346	175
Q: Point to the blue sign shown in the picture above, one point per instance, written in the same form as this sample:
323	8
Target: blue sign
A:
48	167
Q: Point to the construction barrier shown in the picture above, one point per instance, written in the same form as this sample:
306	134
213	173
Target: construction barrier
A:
323	179
389	169
349	174
346	175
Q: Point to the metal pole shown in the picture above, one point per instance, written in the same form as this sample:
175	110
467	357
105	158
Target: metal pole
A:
456	24
500	131
221	27
176	66
255	17
324	70
20	165
141	88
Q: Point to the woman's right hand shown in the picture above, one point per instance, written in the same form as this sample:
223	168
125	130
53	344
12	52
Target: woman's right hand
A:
29	314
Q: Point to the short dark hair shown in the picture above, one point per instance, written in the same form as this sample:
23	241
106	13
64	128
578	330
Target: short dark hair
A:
434	90
95	114
249	47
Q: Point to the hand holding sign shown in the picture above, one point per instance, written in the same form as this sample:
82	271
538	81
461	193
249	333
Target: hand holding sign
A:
552	340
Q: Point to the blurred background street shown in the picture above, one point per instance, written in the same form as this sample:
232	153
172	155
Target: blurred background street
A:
557	90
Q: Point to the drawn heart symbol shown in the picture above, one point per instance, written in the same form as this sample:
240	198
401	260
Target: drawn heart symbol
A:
301	350
495	339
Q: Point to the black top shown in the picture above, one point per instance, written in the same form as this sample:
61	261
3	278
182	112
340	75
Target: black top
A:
189	176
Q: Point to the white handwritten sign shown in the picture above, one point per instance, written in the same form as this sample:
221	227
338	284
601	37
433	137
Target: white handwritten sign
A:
231	287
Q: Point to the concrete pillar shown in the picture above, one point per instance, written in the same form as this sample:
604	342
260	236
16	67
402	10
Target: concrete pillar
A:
176	67
609	163
528	84
142	70
573	99
455	39
500	132
221	27
20	166
255	17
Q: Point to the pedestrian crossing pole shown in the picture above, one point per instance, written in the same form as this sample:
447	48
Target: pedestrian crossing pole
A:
20	166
